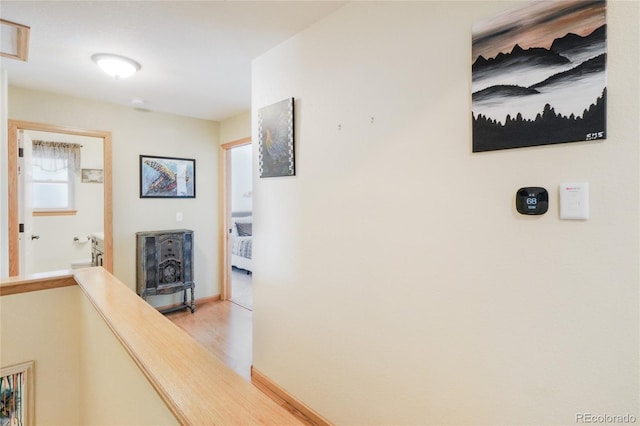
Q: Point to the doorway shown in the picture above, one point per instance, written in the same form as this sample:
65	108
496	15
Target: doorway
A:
19	219
238	214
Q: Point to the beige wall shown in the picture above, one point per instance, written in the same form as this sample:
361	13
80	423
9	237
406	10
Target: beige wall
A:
149	133
236	127
82	374
114	390
43	327
4	189
394	281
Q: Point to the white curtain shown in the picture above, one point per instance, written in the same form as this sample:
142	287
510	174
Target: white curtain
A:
55	156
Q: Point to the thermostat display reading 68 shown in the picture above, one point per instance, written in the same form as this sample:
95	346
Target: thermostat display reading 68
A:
532	200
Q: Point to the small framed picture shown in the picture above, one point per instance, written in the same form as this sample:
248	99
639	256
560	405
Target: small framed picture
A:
16	393
167	177
92	175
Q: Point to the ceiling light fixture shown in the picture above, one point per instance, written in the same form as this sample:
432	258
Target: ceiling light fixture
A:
115	65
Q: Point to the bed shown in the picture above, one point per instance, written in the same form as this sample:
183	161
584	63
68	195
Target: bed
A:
241	241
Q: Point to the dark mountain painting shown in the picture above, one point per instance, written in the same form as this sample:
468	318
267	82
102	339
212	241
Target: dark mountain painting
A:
539	76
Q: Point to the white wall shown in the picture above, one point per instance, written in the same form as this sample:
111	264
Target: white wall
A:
56	249
394	282
149	133
241	174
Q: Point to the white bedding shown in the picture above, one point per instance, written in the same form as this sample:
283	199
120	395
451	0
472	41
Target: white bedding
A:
241	262
241	246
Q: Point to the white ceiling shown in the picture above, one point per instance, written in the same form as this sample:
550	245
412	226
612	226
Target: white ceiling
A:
195	55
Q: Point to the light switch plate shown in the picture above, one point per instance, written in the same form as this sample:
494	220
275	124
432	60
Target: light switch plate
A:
179	217
574	200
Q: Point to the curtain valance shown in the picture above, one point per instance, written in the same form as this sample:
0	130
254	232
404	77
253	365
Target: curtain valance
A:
55	156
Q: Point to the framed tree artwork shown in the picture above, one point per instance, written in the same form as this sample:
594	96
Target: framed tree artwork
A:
539	75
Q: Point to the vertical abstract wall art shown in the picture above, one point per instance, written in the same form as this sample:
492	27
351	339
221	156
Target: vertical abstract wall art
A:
275	132
16	395
539	75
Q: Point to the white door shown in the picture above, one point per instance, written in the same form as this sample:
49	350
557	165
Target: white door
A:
28	238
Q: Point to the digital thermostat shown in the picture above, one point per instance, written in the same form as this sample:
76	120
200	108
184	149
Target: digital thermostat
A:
532	200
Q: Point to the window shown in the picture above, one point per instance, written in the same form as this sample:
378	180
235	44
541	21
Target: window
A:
52	190
53	175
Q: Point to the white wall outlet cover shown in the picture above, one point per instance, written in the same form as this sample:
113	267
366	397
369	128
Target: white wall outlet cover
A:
179	217
574	200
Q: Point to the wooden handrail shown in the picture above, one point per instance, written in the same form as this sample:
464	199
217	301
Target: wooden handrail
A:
36	282
197	388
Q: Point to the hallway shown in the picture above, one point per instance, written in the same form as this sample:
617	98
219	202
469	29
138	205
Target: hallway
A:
226	330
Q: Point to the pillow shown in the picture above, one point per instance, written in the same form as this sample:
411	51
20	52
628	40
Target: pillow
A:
238	219
244	229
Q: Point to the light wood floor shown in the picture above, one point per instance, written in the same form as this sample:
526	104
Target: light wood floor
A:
241	288
226	330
